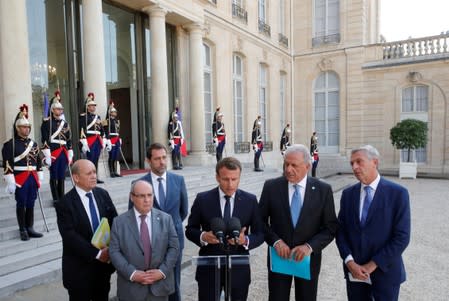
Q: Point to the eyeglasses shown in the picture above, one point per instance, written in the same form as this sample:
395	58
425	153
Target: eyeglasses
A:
142	196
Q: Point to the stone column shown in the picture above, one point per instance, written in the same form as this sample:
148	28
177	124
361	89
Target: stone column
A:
196	88
15	74
159	78
93	54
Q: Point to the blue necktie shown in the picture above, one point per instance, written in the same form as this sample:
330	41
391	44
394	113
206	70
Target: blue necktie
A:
161	194
295	207
366	204
227	209
93	212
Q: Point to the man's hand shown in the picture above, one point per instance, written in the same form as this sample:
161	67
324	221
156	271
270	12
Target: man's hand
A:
299	252
255	147
241	240
10	183
357	271
370	267
282	249
148	277
85	147
104	255
70	153
154	275
210	238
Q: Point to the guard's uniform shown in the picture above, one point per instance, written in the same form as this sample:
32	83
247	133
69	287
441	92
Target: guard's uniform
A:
218	131
92	131
257	143
57	142
111	128
23	173
285	140
176	137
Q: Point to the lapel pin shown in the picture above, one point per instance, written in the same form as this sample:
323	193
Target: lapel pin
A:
313	187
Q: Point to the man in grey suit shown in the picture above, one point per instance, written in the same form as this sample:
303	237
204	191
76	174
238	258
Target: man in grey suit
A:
170	195
144	267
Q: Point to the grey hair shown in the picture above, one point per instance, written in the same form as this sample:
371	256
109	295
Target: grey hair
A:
299	148
370	151
133	184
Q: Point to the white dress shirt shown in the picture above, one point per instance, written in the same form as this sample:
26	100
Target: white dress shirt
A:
154	178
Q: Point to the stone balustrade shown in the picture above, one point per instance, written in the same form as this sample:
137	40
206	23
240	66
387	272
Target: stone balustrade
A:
426	46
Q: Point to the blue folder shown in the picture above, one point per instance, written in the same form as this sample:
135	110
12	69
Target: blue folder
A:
280	265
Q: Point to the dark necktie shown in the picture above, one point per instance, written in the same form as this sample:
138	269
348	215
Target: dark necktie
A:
227	209
366	204
295	206
93	212
145	237
161	194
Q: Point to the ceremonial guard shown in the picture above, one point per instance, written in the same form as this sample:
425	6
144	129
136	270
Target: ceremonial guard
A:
285	139
92	138
217	111
218	131
176	139
257	142
313	143
56	146
111	127
23	172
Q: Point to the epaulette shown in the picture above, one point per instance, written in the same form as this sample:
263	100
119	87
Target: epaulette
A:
104	122
83	114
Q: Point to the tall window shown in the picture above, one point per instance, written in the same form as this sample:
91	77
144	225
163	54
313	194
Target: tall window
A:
326	21
282	86
262	10
237	87
263	99
415	102
282	16
327	112
207	74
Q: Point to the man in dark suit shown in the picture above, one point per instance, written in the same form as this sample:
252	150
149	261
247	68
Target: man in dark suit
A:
225	201
299	217
86	270
144	249
170	196
374	231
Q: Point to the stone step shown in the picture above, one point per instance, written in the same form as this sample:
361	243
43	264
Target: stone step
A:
15	246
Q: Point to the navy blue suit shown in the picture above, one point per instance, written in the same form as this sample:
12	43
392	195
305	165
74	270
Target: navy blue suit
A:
177	205
383	238
206	207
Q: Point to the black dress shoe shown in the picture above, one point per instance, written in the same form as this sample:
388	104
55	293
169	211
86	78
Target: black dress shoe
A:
24	235
118	175
33	234
100	182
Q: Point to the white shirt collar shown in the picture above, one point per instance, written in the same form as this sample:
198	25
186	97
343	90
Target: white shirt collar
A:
373	184
301	183
154	177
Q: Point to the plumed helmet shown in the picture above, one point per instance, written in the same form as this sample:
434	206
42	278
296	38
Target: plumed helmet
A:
56	105
91	95
58	94
90	99
112	107
22	117
174	115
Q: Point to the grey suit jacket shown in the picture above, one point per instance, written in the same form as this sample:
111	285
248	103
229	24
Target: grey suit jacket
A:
126	252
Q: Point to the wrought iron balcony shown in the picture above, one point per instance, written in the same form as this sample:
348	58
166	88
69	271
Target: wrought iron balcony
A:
264	28
328	39
283	40
419	47
239	12
268	146
210	148
242	147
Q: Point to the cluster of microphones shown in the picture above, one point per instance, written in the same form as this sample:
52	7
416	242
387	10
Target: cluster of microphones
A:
223	230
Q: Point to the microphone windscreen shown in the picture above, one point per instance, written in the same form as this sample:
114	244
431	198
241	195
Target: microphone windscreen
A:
217	224
234	226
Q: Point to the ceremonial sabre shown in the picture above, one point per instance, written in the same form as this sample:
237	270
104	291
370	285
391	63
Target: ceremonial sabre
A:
42	210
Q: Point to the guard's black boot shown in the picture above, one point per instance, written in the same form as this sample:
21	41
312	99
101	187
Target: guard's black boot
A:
114	165
256	165
61	189
174	160
179	160
20	213
111	168
29	222
54	190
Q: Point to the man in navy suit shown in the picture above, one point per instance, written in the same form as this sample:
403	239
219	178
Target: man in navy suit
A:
225	201
86	270
299	216
374	231
170	196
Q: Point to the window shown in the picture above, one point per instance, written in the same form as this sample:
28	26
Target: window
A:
327	112
282	16
326	22
262	11
282	86
207	74
237	86
414	104
263	100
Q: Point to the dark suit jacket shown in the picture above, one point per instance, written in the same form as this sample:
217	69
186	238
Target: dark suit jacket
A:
79	264
126	253
176	201
207	206
317	222
385	234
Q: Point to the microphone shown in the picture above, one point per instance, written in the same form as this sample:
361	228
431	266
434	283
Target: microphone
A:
234	228
218	227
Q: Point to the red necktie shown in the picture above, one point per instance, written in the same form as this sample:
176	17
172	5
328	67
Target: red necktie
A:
145	237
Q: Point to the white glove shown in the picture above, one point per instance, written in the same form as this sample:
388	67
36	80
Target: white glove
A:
120	139
85	148
182	141
255	147
171	143
47	154
70	156
40	176
216	142
10	183
107	144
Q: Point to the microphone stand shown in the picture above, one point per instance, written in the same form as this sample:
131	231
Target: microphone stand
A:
228	269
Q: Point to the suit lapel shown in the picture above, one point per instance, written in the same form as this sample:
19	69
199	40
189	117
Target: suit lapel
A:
78	205
355	195
216	208
132	226
307	199
99	202
169	191
149	179
376	202
238	205
284	200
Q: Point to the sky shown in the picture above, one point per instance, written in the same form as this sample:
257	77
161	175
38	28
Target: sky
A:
400	19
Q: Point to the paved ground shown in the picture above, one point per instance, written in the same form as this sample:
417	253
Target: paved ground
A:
425	259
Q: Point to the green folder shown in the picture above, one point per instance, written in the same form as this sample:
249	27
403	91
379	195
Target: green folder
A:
291	267
102	235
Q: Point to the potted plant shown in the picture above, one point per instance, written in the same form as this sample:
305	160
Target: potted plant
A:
409	134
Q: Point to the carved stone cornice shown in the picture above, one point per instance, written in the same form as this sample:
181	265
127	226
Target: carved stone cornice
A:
414	76
325	64
155	10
